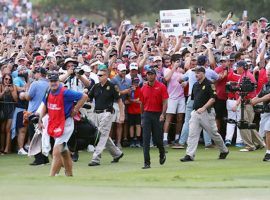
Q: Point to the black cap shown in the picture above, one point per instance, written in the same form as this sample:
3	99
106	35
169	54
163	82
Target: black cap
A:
202	60
199	69
242	63
53	76
151	70
41	70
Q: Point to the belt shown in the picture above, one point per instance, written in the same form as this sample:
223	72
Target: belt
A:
103	111
232	98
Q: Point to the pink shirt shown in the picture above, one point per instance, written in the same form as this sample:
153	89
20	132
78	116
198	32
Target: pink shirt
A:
174	88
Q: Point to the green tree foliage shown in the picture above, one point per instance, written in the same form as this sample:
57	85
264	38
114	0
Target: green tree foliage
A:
116	10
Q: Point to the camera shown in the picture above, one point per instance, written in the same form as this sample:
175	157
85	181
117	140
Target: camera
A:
245	86
264	108
78	70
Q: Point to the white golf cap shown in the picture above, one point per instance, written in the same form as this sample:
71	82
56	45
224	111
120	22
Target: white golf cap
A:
121	67
133	66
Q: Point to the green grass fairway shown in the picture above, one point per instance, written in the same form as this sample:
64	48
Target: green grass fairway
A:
241	176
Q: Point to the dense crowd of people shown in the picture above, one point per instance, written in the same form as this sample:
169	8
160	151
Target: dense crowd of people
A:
33	48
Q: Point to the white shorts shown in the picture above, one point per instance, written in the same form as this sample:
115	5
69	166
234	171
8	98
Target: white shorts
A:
176	106
264	124
69	128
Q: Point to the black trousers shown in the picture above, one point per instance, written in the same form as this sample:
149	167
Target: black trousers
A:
39	158
151	124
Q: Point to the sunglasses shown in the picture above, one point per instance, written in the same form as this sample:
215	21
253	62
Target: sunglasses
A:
7	79
100	75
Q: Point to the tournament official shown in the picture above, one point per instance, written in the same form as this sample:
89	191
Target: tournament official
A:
203	116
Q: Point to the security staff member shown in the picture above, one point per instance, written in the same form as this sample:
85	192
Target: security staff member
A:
264	96
154	97
105	93
203	116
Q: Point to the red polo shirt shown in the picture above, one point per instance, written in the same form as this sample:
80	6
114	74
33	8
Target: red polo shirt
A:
152	96
135	108
262	79
221	84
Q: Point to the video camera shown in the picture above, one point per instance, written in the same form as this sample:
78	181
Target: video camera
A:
243	89
245	86
265	108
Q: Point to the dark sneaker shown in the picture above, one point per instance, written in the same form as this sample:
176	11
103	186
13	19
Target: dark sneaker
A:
162	159
116	160
75	156
187	158
266	157
146	166
223	155
35	163
92	164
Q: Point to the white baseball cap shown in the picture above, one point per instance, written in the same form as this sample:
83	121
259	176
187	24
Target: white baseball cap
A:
86	68
157	58
121	67
133	66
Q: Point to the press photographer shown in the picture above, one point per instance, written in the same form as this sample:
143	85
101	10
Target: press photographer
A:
245	91
264	97
73	75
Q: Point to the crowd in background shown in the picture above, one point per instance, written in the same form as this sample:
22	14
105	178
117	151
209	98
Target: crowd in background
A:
31	46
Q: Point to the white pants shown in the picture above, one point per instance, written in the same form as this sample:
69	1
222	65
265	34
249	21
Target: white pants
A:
235	116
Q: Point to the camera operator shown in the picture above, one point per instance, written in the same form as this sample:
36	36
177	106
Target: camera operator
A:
264	96
250	136
73	76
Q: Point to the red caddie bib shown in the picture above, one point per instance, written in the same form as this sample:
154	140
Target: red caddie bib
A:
56	112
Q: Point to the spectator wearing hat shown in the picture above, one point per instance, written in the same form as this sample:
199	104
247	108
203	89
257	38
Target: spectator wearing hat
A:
71	77
233	114
94	63
124	86
221	97
159	67
154	97
203	116
35	95
250	137
134	113
133	72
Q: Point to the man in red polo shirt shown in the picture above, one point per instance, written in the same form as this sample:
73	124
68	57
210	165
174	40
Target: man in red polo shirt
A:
154	98
220	104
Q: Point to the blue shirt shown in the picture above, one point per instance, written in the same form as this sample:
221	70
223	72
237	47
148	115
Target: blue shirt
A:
37	92
70	96
123	84
19	81
190	76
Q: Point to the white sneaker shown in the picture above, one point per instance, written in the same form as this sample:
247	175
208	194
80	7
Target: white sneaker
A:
90	148
22	152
